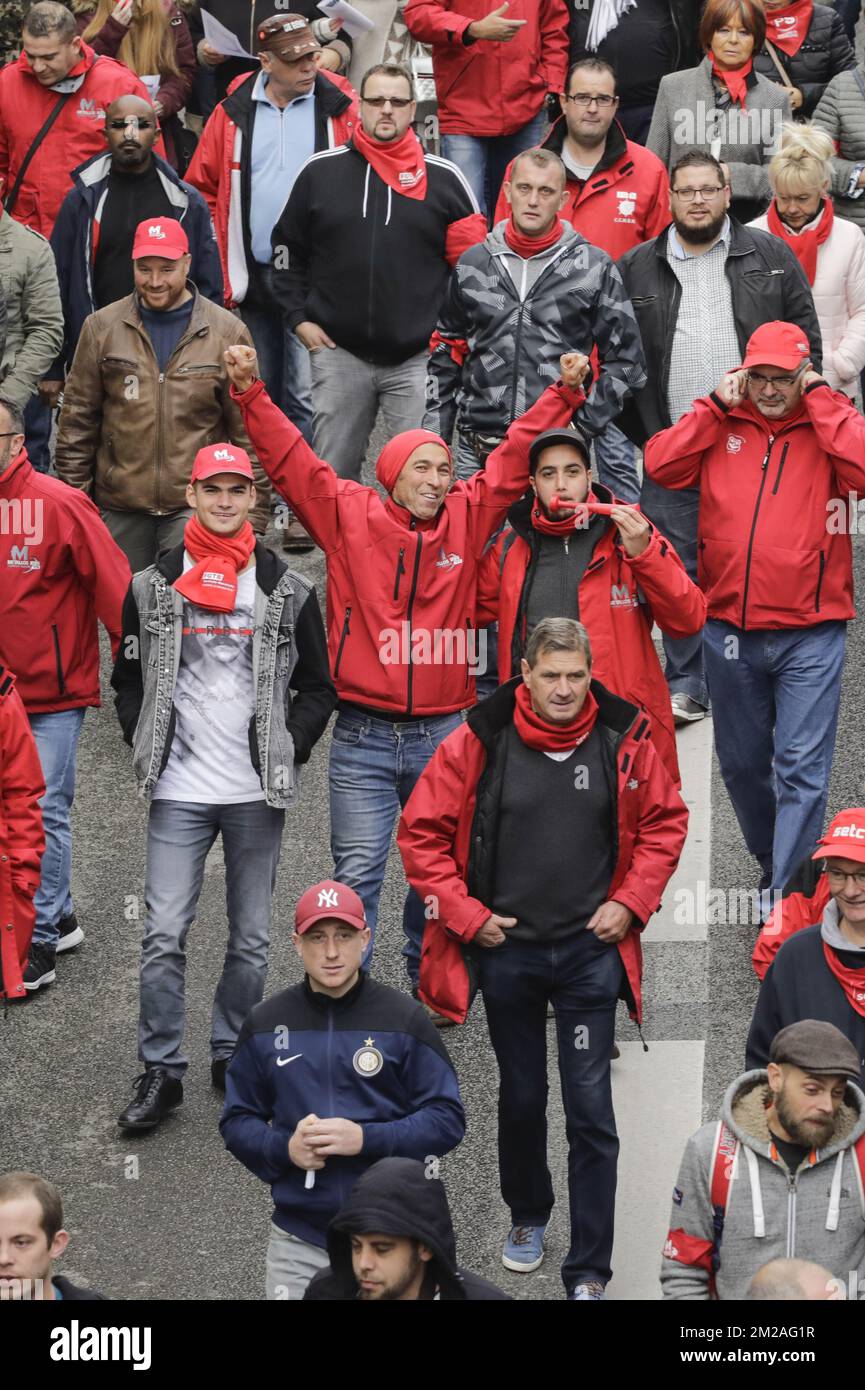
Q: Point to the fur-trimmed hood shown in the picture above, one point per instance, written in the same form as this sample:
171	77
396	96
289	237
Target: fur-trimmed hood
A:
746	1114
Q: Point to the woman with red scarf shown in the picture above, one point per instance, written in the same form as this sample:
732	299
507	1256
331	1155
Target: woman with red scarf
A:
805	47
830	250
725	106
819	972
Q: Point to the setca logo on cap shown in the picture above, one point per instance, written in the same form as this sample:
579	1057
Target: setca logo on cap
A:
327	902
221	458
160	236
844	837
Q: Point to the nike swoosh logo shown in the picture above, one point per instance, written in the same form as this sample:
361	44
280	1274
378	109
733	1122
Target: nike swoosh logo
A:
284	1061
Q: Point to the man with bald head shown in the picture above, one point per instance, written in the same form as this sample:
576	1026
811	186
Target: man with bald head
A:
92	239
790	1281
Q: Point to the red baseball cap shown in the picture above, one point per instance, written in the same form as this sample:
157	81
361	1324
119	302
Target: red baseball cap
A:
160	236
844	837
221	458
777	344
329	901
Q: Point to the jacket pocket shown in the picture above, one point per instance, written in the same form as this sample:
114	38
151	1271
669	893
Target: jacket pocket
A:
346	629
61	683
821	570
200	369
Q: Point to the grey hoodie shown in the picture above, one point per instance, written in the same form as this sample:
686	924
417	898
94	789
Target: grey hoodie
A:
813	1214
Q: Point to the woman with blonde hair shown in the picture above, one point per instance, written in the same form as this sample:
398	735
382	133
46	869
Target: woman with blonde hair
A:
152	38
830	250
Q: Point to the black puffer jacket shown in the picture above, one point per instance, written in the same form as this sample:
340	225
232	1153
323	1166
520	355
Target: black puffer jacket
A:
636	74
397	1197
824	53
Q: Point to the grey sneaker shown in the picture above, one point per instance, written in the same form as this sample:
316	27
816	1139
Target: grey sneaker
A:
686	710
590	1292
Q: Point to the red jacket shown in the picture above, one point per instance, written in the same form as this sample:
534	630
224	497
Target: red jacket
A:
77	133
438	832
805	898
22	842
623	202
60	570
619	600
772	550
488	87
401	594
219	167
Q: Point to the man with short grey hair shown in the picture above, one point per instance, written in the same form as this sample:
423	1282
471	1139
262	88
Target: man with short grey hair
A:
551	761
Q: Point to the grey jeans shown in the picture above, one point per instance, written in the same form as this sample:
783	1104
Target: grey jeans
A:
179	835
291	1263
346	395
143	537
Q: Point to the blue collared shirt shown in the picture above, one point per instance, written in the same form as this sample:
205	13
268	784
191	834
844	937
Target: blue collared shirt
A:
282	140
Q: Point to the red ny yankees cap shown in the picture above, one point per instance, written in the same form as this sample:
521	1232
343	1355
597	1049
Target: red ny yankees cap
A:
326	902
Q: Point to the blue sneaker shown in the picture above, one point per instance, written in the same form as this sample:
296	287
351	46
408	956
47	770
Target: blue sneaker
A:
592	1291
524	1249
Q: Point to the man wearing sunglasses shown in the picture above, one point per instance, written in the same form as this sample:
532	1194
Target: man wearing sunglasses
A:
819	972
775	453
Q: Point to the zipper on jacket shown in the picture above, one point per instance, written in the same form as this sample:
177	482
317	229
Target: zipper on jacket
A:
371	273
819	583
60	681
563	587
408	618
791	1217
516	372
780	468
763	475
400	571
346	629
160	405
468	650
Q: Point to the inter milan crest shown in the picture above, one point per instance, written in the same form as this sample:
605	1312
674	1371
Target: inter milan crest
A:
368	1061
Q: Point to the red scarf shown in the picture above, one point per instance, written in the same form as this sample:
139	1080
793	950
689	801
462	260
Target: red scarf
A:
784	34
399	163
804	246
734	80
552	738
561	526
851	981
526	246
212	581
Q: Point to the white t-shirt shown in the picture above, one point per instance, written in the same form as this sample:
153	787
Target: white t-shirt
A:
214	701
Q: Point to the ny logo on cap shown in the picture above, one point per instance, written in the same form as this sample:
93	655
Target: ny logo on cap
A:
328	898
223	454
155	229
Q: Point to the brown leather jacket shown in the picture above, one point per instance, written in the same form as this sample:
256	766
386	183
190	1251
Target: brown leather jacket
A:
128	434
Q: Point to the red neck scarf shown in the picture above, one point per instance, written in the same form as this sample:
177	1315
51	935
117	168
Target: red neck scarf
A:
851	981
560	526
399	163
734	80
789	27
552	738
526	246
804	246
212	581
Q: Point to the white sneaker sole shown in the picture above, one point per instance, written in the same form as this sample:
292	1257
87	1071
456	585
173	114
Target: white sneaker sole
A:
680	717
48	978
520	1267
70	941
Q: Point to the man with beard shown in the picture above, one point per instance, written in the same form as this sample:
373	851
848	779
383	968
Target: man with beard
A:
699	290
784	1167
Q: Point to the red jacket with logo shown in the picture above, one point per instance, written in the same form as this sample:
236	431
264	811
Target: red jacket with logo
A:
22	842
401	593
489	87
624	201
439	832
619	600
774	542
802	905
77	133
60	571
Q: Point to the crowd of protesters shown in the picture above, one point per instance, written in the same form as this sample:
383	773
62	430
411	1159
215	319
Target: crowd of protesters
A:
610	313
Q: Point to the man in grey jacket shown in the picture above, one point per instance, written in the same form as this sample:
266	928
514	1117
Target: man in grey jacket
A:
780	1176
216	636
34	327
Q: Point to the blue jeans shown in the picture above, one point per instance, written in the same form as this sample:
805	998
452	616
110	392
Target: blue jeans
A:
374	765
775	697
282	358
483	159
582	977
38	419
615	460
56	738
849	11
179	835
675	512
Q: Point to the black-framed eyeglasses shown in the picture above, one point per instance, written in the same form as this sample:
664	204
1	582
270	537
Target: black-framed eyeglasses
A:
784	381
141	123
9	434
396	102
586	99
839	877
688	195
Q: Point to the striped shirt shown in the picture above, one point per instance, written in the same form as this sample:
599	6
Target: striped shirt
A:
705	342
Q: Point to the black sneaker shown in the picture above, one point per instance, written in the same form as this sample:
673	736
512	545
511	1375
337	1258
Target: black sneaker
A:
155	1094
40	967
218	1068
71	934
